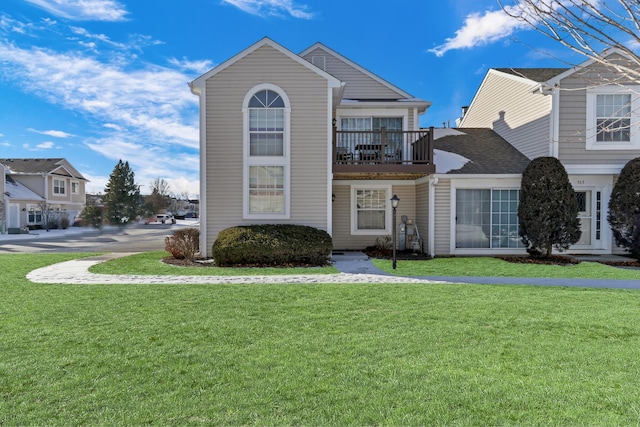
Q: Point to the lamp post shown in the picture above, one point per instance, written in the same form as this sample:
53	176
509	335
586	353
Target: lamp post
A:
394	204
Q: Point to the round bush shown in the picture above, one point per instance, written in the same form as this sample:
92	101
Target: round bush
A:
272	245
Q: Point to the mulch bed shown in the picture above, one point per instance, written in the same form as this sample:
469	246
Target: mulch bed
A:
410	255
552	260
209	263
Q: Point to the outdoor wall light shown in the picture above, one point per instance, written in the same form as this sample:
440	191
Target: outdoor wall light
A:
333	197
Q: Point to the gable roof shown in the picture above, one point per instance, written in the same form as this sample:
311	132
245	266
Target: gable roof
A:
197	84
37	166
554	81
486	152
401	93
539	75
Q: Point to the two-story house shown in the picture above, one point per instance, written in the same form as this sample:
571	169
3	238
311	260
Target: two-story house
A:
310	138
587	116
31	184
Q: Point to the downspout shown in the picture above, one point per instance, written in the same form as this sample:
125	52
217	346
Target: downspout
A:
202	204
433	181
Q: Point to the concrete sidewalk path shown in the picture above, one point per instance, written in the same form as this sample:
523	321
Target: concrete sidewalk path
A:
354	268
76	272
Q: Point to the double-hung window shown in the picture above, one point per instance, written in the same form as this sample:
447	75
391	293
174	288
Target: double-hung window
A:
370	210
34	214
612	118
59	186
266	185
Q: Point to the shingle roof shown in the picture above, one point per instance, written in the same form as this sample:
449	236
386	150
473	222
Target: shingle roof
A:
486	152
17	191
536	74
37	166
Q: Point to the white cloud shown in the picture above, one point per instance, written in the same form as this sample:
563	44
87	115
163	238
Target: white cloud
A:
271	8
42	146
84	10
481	29
153	101
46	145
200	67
54	133
150	162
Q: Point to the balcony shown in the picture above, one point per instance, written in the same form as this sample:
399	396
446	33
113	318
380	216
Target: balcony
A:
382	154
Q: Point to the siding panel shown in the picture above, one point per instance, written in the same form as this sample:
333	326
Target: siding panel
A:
225	92
508	106
358	84
442	232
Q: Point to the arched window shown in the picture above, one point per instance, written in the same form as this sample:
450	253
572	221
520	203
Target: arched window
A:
266	124
266	185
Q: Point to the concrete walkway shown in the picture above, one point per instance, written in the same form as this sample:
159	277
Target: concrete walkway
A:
76	272
354	268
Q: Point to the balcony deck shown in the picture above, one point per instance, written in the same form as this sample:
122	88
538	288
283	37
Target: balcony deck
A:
382	154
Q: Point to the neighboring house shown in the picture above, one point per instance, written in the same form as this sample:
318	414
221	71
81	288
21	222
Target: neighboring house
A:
310	138
587	116
31	184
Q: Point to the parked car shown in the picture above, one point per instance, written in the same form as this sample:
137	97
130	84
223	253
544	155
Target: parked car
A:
162	218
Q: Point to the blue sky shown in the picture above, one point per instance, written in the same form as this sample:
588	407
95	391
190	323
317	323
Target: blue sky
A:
96	81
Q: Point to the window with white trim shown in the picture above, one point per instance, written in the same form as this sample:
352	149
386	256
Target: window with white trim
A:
266	177
34	214
75	187
58	186
613	118
371	210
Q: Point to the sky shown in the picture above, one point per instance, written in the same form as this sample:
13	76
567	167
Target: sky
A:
96	81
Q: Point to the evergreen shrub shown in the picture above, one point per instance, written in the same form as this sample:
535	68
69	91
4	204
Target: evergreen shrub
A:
624	208
272	245
548	208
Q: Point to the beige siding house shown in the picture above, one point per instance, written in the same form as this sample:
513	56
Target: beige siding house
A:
586	116
312	139
31	184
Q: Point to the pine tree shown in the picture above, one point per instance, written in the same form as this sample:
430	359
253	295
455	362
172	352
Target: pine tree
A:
121	196
548	209
624	208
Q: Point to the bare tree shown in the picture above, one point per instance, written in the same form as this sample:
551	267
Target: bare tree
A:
160	186
588	27
50	216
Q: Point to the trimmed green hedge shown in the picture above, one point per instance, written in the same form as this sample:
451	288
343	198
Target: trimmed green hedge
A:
272	245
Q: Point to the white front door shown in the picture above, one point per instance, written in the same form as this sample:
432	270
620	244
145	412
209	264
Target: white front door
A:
590	215
14	216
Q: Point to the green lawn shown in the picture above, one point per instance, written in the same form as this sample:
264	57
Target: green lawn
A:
151	263
493	267
314	354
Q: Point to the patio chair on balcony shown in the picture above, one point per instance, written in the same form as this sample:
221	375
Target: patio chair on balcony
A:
343	155
393	154
368	153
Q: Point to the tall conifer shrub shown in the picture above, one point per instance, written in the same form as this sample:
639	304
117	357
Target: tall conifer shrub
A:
121	196
624	208
548	209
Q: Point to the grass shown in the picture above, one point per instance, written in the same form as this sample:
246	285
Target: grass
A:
326	354
493	267
151	263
